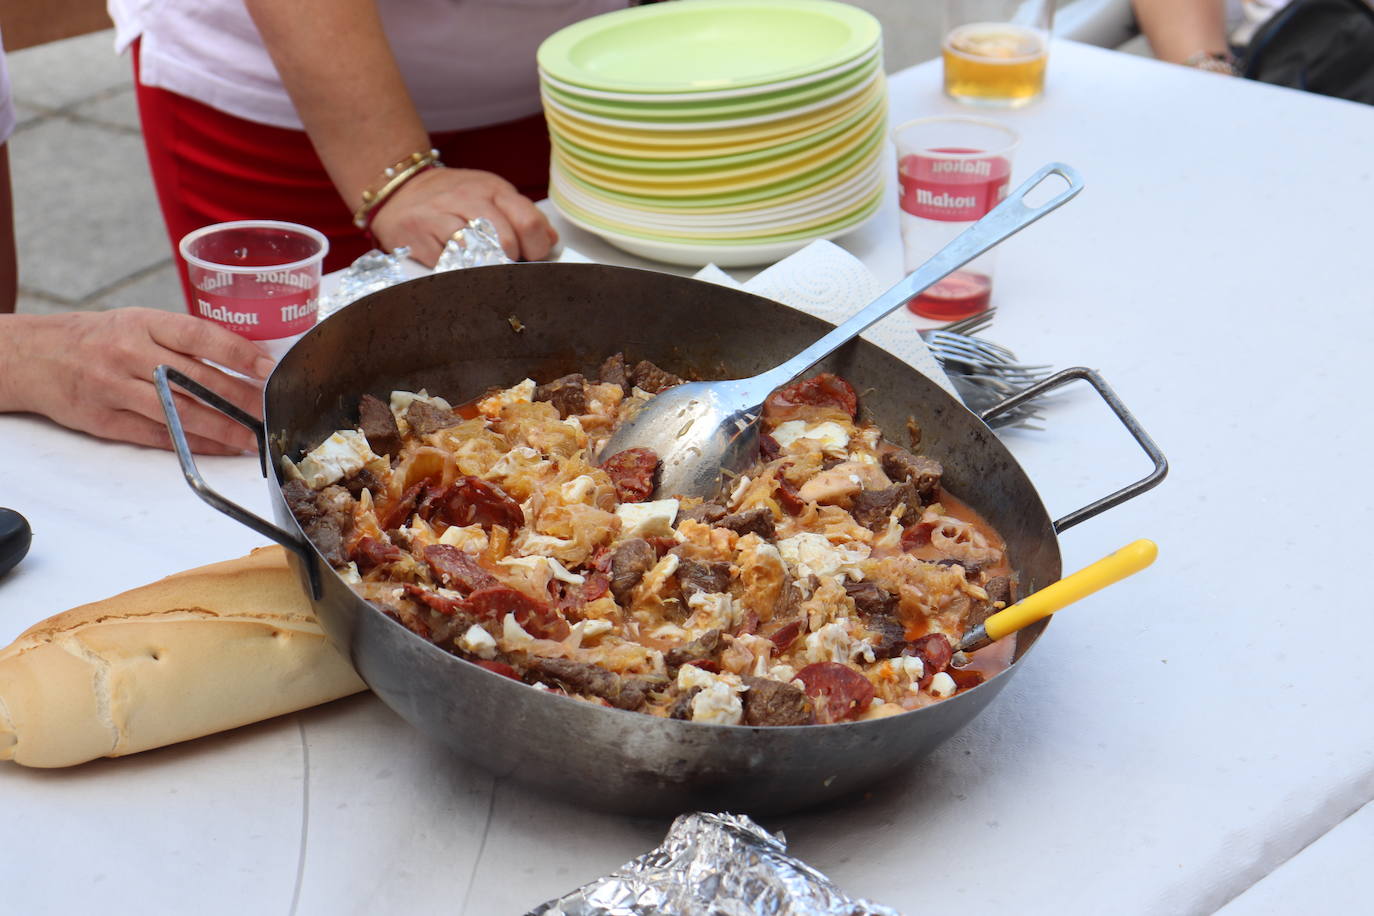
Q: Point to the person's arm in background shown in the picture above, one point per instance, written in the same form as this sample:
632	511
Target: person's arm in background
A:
339	70
1180	30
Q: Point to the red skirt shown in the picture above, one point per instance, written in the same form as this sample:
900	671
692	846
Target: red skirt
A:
211	167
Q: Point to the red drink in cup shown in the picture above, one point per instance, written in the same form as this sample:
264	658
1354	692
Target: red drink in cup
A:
951	172
258	278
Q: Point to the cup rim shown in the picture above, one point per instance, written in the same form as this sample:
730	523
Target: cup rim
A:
195	234
1004	151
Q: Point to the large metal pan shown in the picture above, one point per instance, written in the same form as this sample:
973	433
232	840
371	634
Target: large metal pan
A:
464	332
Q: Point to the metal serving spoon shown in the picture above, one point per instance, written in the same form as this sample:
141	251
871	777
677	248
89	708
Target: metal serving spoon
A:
703	431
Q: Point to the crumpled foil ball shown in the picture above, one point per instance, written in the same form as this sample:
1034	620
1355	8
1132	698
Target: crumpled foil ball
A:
475	245
713	865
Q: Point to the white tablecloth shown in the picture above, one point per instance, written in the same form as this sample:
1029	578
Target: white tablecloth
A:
1196	735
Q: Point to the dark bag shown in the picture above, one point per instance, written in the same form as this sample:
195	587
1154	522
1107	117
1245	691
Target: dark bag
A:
1324	46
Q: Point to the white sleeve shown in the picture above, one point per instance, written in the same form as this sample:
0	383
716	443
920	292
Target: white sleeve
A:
7	116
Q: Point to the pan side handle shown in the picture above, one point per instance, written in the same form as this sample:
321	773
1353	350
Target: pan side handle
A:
1130	491
163	377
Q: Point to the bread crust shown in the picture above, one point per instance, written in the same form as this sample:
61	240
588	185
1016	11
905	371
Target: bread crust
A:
195	653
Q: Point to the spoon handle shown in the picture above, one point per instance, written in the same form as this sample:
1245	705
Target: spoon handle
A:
1109	570
1003	221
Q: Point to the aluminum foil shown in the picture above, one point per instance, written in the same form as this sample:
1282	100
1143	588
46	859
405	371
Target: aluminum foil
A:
713	865
476	245
371	272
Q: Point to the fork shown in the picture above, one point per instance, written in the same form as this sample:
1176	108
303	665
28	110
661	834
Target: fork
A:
982	372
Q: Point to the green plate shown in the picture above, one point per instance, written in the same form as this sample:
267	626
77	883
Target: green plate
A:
687	163
851	217
688	200
763	103
707	44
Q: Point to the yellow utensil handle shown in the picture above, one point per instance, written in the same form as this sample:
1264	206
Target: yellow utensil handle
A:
1127	561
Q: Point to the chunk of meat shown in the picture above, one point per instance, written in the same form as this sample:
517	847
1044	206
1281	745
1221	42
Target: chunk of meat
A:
785	634
571	597
789	497
877	608
999	597
614	372
823	390
712	577
633	472
568	394
452	568
651	378
378	424
474	501
580	677
758	520
433	600
682	706
362	479
838	691
924	473
500	668
370	553
935	653
872	508
706	513
871	599
629	562
326	517
705	648
770	702
399	512
537	619
425	418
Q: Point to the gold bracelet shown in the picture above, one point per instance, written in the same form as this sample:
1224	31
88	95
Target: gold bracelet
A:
392	178
1213	62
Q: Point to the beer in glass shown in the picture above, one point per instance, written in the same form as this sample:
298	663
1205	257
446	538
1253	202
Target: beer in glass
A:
995	50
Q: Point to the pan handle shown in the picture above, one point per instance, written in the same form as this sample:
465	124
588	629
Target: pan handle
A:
163	376
1131	491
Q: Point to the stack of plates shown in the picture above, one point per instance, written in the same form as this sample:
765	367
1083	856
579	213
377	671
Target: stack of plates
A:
726	131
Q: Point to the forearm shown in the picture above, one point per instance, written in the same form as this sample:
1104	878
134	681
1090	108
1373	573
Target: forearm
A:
339	70
1178	29
24	339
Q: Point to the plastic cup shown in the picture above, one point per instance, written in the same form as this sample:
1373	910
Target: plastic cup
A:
951	172
258	278
995	51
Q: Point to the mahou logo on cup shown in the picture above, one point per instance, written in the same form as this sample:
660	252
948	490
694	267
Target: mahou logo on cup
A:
288	309
952	190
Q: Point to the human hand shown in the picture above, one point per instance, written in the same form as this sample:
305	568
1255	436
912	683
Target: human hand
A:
433	205
93	371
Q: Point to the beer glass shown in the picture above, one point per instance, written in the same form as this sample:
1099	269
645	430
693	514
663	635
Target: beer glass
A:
995	50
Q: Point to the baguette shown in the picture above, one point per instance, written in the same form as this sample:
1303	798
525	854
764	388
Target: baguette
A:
195	653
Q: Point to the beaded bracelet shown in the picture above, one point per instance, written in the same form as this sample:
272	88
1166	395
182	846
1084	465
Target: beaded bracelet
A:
392	178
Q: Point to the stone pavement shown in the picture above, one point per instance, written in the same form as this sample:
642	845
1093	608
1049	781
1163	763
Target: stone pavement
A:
89	231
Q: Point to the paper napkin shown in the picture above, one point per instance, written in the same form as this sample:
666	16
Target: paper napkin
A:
828	282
